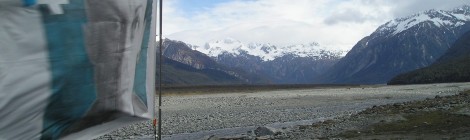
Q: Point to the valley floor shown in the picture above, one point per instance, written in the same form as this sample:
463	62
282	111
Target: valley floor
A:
289	111
446	117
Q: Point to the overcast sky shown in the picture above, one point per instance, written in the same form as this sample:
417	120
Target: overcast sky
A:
333	23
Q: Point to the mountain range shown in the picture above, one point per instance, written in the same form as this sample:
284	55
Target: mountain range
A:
180	74
285	67
398	46
266	51
291	64
181	53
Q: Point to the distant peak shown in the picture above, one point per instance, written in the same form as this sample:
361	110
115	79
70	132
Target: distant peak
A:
464	8
467	7
228	40
265	51
314	44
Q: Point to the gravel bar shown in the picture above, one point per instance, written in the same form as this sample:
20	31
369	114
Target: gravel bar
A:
200	116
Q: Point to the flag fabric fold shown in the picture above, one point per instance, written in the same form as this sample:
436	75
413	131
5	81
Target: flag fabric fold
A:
75	69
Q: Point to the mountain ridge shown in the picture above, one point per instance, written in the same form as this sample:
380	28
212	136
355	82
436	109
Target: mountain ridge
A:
388	51
266	51
182	53
179	74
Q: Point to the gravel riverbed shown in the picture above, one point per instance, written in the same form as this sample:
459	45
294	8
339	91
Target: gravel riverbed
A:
201	116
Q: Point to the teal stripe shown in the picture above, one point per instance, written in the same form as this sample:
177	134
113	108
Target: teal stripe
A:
29	2
141	68
73	89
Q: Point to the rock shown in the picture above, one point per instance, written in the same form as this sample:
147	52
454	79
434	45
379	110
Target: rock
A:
236	137
391	118
266	131
396	105
213	137
302	127
464	111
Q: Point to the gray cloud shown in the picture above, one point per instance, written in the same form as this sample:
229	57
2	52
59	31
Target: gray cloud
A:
349	15
336	23
391	9
403	8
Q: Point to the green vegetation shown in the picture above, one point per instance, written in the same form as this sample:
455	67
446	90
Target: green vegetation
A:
455	71
426	122
437	123
441	117
176	73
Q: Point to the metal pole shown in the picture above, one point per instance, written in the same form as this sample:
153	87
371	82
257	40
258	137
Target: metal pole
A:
161	75
154	121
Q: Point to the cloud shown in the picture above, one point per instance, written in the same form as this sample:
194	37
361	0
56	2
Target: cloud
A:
349	15
359	11
403	8
332	23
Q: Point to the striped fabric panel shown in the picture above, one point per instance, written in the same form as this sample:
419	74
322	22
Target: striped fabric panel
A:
82	72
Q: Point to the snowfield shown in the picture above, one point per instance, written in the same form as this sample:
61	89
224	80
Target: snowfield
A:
267	51
200	116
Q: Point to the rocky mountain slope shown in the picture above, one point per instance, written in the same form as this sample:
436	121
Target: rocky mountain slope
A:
399	46
179	74
182	53
453	66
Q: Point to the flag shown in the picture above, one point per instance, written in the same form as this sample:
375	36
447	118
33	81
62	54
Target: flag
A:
75	69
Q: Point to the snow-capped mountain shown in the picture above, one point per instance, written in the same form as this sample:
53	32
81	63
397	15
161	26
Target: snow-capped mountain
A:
401	45
439	18
266	51
291	64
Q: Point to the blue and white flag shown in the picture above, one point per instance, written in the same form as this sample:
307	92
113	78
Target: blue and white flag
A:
75	69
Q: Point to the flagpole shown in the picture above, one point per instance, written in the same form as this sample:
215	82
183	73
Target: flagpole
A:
154	121
161	75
